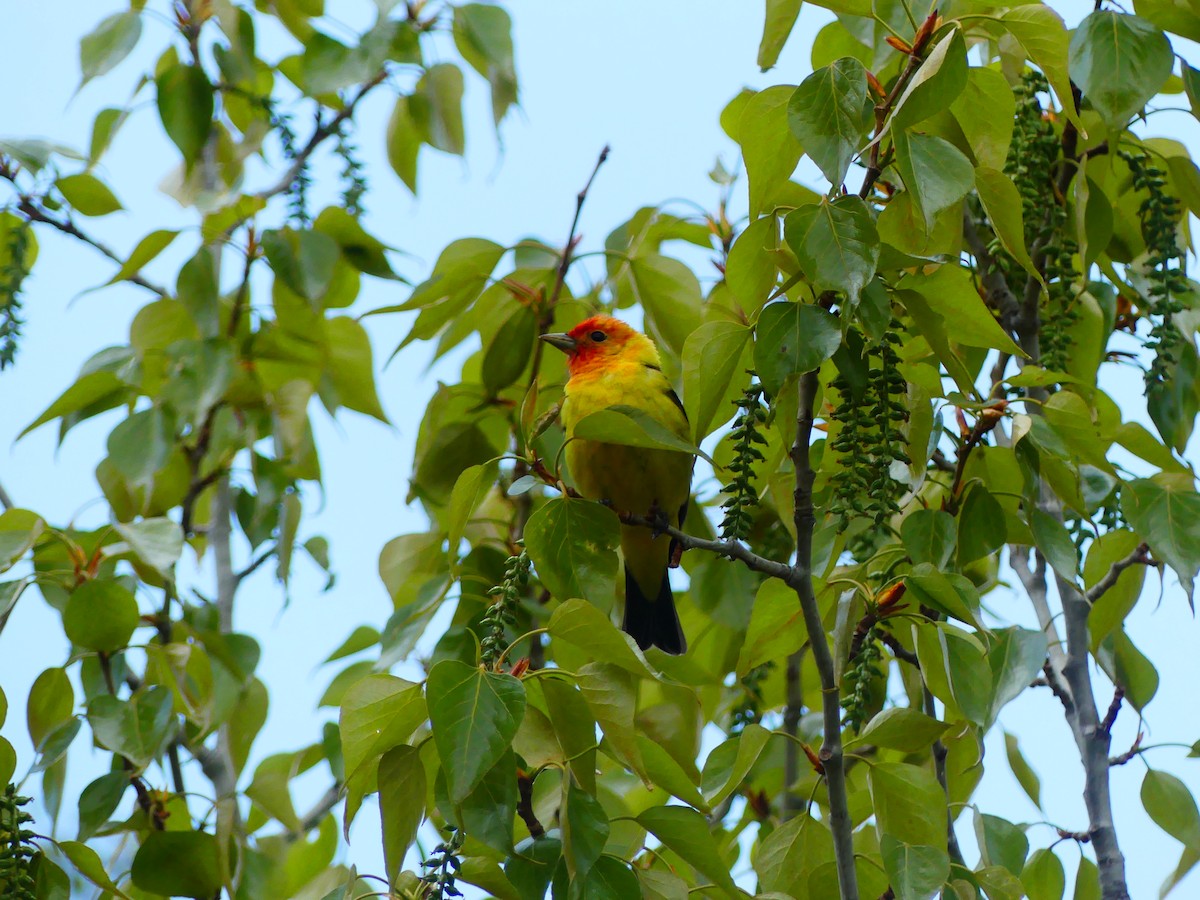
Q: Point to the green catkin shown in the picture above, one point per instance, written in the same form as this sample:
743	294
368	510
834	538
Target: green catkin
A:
863	669
1160	214
442	866
16	852
739	516
503	611
870	439
354	181
12	278
1032	162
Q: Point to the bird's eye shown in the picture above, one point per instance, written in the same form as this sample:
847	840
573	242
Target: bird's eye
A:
598	336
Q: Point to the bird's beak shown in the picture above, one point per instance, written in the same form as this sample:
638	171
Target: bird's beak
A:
563	342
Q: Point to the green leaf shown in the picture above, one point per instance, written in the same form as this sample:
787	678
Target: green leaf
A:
304	260
104	129
573	546
472	486
19	531
137	728
1054	542
158	541
88	195
147	249
776	626
350	368
1108	612
474	715
750	270
669	292
509	350
777	26
632	427
487	813
1002	203
916	871
55	747
1165	512
585	830
929	537
611	695
1176	16
730	762
87	862
8	760
91	389
1016	656
1043	876
835	243
829	114
437	107
483	35
950	292
580	623
50	703
1001	843
108	44
769	148
791	339
984	111
185	106
1119	62
1041	31
665	773
178	864
138	446
1087	880
686	832
711	358
951	594
100	615
99	800
404	141
909	804
1026	777
1172	807
610	879
789	855
378	713
901	728
936	84
934	170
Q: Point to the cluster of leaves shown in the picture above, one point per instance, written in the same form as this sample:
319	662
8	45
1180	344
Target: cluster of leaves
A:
579	772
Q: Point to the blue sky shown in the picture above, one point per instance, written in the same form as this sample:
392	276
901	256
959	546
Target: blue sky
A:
647	78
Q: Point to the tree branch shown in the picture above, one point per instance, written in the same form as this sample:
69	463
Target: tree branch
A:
791	724
800	580
1140	556
35	213
322	133
1035	586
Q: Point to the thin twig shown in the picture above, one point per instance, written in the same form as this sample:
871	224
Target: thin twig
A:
1114	709
27	205
5	499
1139	556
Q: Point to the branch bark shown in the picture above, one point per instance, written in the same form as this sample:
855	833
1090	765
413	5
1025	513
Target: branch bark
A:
800	580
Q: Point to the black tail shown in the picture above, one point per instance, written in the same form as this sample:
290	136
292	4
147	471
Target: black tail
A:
653	622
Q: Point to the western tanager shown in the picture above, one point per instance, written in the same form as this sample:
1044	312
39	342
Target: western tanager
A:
613	365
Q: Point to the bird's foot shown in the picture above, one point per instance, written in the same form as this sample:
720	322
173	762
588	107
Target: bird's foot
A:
658	517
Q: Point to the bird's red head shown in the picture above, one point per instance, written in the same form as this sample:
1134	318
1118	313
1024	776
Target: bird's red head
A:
596	342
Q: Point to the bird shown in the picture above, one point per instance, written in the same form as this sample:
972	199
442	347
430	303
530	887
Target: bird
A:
612	364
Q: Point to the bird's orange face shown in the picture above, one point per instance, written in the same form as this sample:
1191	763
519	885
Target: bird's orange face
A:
593	342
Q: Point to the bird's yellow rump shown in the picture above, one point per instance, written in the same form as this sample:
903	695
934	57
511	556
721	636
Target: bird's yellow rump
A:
613	365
